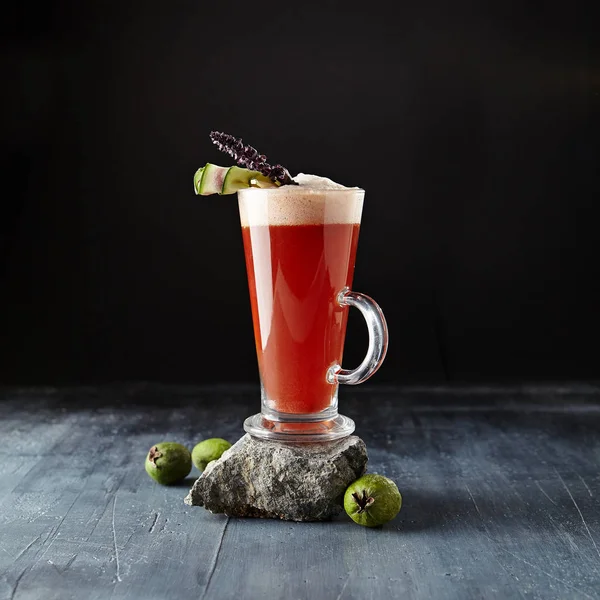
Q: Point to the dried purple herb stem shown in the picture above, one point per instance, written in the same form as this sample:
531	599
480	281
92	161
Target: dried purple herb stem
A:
249	158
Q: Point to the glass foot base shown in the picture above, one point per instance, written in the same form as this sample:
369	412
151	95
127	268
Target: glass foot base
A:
318	431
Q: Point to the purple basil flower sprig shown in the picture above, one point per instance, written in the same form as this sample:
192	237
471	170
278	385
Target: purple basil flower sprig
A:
249	158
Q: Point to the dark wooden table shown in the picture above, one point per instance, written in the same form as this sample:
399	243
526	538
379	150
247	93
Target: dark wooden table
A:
501	499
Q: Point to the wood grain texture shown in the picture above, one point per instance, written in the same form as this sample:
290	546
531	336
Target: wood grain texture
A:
501	499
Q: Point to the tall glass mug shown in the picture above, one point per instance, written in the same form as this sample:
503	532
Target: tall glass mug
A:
300	247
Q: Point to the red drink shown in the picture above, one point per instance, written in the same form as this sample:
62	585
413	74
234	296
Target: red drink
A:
300	246
295	272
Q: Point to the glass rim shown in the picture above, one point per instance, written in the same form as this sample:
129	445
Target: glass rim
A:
303	191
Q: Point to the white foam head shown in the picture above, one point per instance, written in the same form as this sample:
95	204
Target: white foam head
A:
314	200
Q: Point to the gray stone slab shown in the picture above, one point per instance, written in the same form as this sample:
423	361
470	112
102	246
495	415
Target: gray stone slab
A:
275	480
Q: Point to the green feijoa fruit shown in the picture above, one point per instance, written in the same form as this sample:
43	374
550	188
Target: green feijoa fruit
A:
208	450
372	500
168	462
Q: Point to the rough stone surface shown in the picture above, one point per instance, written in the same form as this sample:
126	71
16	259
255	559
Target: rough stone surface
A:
295	482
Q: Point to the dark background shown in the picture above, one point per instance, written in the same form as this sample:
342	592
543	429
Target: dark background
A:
472	126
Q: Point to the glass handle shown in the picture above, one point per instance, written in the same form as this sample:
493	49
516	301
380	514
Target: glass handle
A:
378	340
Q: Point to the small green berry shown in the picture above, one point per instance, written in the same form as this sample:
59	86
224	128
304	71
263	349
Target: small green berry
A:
372	500
168	463
208	450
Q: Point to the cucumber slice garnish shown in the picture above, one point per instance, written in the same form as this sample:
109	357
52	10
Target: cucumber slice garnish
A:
238	178
212	179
